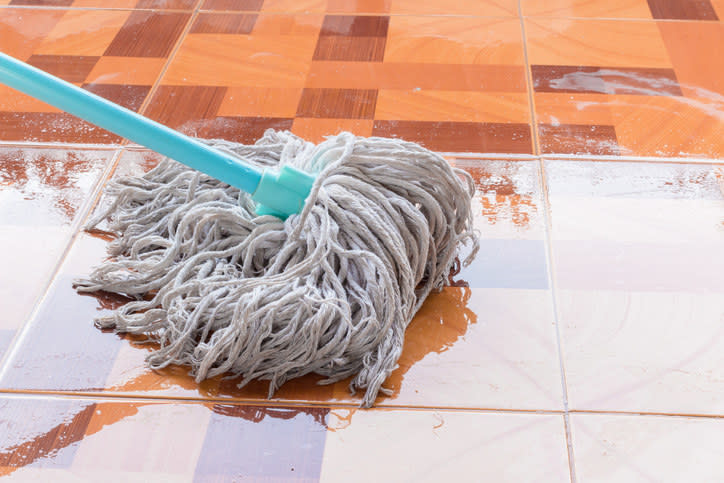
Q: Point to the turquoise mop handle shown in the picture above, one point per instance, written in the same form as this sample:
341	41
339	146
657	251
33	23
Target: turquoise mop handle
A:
281	194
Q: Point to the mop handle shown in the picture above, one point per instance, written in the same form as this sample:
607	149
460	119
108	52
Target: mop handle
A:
281	193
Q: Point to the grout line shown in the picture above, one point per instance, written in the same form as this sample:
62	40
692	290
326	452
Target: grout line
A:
556	315
154	88
131	397
75	229
529	84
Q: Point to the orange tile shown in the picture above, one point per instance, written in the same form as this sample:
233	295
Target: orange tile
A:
358	6
260	101
688	43
654	448
586	8
485	8
391	75
595	43
669	126
105	3
83	32
316	130
283	25
552	108
21	30
444	446
294	6
457	40
219	59
15	101
126	70
436	105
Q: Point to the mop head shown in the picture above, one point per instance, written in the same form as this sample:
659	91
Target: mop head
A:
328	291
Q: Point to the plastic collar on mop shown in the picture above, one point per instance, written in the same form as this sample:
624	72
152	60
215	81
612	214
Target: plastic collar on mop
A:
282	193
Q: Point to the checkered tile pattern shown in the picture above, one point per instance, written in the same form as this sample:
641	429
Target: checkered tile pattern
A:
583	342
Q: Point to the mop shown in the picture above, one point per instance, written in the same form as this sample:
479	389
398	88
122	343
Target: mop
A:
273	260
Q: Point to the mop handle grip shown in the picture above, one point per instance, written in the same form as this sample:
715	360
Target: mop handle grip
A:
281	193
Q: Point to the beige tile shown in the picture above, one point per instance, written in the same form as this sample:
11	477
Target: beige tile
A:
381	445
647	448
643	352
479	348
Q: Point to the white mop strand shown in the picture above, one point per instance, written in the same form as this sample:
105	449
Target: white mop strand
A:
329	291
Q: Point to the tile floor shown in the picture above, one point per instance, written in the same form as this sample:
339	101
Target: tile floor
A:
585	342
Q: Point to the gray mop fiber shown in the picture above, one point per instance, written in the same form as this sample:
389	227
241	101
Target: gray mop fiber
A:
329	291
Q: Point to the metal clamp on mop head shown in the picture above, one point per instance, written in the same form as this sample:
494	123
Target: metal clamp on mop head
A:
282	193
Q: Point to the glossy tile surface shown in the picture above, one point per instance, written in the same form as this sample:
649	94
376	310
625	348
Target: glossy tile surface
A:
41	192
583	343
637	259
650	448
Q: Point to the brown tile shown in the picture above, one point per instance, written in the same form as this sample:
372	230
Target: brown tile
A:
682	9
238	129
360	49
393	75
175	105
317	129
355	26
210	23
358	6
148	34
338	103
42	433
51	127
72	68
236	5
605	80
578	139
129	96
461	136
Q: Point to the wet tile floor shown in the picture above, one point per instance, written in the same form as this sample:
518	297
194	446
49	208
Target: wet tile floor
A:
585	342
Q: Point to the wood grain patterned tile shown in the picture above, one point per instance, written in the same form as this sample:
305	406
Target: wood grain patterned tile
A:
608	43
317	129
126	70
556	108
578	139
210	23
339	48
460	136
83	32
439	105
72	68
166	4
129	96
21	30
355	25
359	6
233	5
260	101
236	60
586	8
51	127
478	8
148	34
238	129
682	9
338	103
392	75
689	44
174	106
605	80
454	40
42	3
15	101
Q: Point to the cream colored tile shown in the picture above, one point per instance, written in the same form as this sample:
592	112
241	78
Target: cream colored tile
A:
643	352
380	445
479	348
619	448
